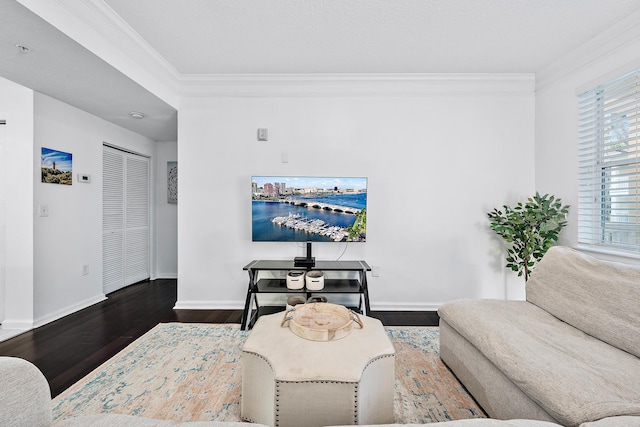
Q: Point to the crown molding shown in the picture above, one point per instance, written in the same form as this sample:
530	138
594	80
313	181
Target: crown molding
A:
604	44
295	85
95	26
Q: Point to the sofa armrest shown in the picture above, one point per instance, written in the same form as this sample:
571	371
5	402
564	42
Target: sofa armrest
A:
25	398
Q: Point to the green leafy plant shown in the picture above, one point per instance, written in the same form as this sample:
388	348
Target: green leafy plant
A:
531	229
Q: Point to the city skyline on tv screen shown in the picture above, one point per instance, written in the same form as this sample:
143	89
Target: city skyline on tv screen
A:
304	208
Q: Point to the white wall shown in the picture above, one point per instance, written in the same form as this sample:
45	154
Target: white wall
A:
3	227
610	55
71	236
166	215
437	158
16	107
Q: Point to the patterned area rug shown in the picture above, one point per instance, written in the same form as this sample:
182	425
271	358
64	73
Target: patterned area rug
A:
191	372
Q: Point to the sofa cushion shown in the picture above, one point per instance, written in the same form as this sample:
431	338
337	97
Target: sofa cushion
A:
597	297
571	375
25	399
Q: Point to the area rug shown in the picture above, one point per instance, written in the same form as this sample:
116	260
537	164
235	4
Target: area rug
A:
192	372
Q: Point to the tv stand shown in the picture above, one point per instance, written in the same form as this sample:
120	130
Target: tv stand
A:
258	285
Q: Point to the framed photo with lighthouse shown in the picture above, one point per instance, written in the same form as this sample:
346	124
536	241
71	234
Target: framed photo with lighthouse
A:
56	167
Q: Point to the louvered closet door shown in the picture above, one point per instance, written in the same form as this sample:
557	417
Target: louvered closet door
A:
125	241
112	220
137	219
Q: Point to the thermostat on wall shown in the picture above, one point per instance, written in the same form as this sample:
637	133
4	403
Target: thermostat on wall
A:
83	177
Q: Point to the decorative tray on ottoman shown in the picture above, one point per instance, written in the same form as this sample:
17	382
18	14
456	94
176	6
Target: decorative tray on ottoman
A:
321	321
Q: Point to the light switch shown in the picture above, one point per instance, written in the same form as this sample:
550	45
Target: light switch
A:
263	134
43	210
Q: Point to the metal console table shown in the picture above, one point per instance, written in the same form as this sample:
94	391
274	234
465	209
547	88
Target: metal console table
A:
259	285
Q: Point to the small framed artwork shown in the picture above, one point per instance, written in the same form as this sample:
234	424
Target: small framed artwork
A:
172	183
56	167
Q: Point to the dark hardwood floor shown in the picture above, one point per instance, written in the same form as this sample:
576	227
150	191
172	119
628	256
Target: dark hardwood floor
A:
69	348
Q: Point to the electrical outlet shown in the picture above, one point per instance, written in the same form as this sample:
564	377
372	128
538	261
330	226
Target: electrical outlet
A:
375	271
85	269
43	210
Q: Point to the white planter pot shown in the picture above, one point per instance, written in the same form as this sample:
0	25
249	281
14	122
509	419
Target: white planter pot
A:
315	280
295	279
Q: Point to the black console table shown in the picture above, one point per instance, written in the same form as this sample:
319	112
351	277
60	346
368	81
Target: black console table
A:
259	285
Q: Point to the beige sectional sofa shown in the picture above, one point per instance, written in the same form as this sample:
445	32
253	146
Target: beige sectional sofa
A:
568	354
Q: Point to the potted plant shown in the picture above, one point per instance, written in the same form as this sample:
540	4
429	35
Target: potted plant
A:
530	228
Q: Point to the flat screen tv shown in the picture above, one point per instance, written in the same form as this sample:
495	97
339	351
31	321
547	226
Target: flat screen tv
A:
308	209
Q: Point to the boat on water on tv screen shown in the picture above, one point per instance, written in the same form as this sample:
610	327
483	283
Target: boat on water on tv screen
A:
306	209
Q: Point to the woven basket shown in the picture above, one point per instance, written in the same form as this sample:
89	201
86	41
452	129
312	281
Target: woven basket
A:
321	321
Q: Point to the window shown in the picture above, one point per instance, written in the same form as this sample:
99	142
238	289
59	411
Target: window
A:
609	165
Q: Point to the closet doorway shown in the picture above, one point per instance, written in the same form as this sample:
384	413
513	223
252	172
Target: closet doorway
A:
125	218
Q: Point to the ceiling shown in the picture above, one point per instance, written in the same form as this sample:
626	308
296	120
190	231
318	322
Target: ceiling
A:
230	37
61	68
367	36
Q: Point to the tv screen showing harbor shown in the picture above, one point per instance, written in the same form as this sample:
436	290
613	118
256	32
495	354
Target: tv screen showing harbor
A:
308	209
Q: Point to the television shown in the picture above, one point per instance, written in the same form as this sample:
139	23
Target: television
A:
308	209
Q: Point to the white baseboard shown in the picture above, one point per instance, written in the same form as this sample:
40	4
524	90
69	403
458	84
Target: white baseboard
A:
166	276
405	306
68	310
209	305
21	324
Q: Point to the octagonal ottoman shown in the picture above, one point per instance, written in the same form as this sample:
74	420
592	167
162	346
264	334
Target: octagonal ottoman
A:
289	381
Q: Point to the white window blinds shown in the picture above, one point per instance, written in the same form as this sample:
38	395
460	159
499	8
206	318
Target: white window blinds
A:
609	165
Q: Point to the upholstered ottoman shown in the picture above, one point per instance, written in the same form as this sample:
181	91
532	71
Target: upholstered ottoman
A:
288	381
